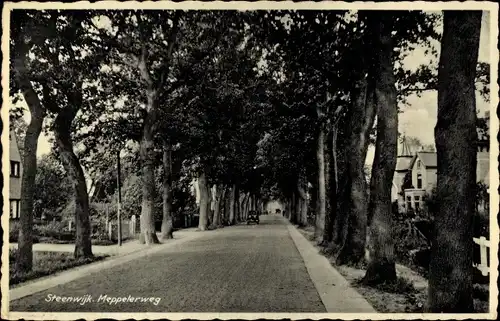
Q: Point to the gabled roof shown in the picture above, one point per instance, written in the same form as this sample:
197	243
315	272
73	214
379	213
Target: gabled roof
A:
403	163
13	147
429	159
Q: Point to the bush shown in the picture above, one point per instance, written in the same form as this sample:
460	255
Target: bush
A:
45	263
100	235
14	228
14	231
407	241
54	230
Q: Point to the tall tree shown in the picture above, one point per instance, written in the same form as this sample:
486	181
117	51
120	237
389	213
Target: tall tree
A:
76	93
360	119
167	222
22	81
154	85
381	267
450	273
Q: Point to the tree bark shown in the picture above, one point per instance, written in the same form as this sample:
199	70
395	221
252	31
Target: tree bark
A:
331	216
302	221
203	187
146	150
381	267
219	194
62	131
319	229
242	204
232	205
288	206
450	273
227	207
210	212
24	260
237	214
361	122
167	222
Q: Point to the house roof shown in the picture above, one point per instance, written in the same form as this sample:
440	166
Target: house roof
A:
429	159
13	147
403	163
14	182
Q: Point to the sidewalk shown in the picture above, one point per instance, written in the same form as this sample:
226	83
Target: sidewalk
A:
127	247
126	253
337	295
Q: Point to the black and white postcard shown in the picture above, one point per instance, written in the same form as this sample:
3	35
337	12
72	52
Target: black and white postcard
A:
249	160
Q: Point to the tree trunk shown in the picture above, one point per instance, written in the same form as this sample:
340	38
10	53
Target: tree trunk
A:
381	267
62	131
219	194
237	213
243	200
288	208
227	207
361	122
303	205
24	262
204	201
146	150
167	222
450	273
331	216
321	197
210	212
242	206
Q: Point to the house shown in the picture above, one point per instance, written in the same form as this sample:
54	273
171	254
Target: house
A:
423	168
402	169
15	177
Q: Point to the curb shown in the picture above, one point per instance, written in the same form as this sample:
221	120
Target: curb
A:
337	295
62	277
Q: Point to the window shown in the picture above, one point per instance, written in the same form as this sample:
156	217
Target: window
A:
408	202
15	208
419	164
15	168
417	203
419	180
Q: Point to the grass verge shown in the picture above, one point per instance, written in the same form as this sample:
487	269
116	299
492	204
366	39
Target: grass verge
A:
46	263
407	295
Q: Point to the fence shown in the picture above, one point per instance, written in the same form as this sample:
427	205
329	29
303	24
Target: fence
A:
129	228
484	246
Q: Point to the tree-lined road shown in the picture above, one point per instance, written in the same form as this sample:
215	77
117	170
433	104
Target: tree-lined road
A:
254	268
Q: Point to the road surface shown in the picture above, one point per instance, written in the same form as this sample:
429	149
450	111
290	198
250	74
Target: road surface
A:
244	268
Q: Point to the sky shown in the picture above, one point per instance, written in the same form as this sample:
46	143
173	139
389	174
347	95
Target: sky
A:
418	117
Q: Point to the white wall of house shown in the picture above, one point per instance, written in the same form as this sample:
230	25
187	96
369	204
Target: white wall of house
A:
394	191
415	171
414	198
428	176
431	179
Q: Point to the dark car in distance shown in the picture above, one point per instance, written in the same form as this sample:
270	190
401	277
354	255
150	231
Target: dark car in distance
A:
253	216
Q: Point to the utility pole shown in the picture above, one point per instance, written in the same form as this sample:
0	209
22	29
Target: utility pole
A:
119	217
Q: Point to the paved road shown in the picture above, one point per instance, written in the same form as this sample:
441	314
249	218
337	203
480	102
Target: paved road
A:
243	268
